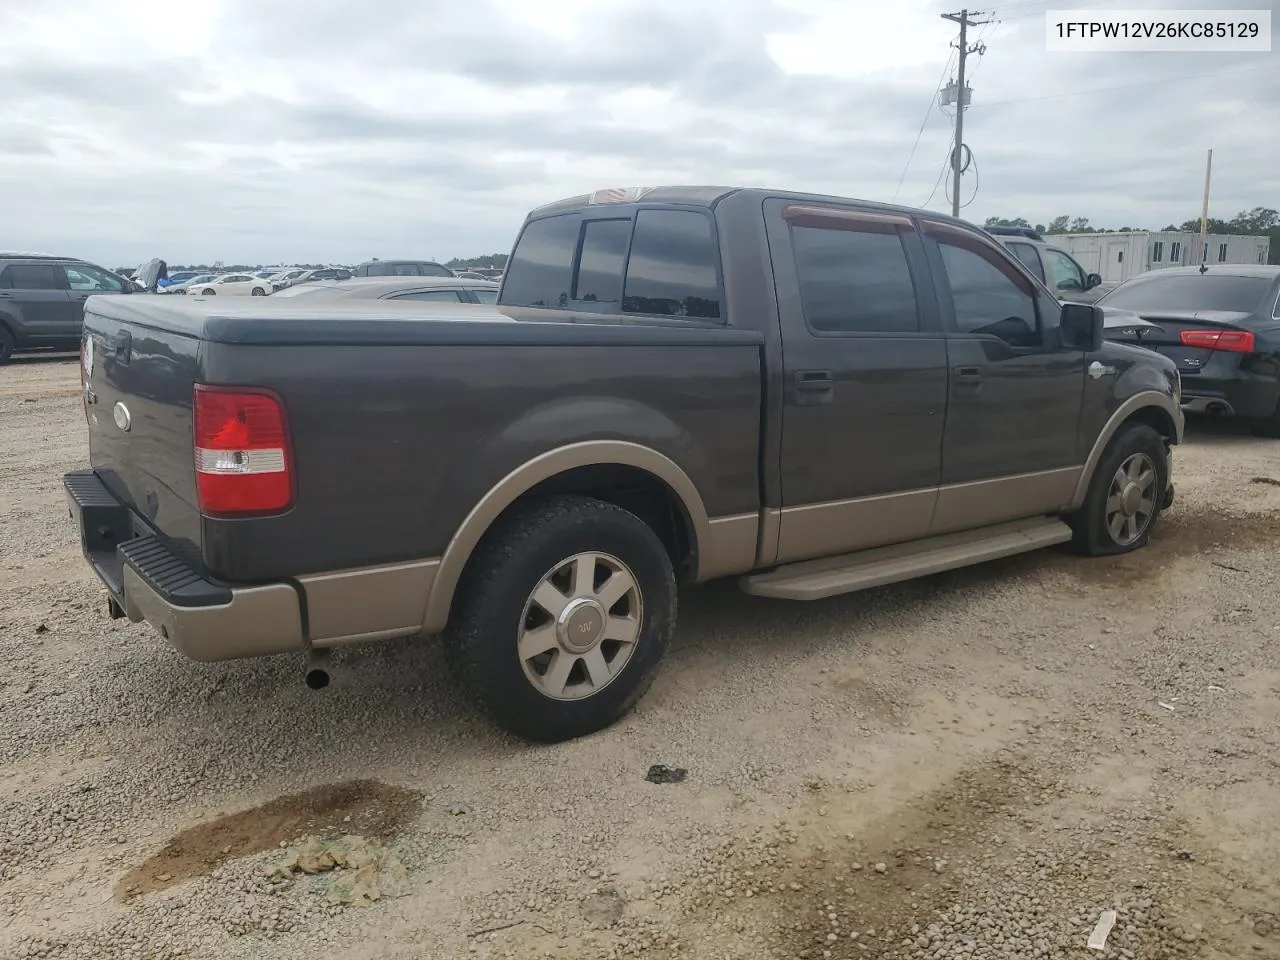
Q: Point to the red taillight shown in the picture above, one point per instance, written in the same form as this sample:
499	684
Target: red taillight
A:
1235	341
242	458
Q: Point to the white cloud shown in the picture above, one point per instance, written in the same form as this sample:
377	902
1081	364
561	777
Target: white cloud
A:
224	129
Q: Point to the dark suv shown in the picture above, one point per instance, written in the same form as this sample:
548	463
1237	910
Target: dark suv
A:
42	300
402	268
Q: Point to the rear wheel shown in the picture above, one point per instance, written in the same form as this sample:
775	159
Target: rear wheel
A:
207	292
562	617
6	344
258	292
1125	495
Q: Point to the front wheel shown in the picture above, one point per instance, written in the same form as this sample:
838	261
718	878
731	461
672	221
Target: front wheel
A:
1125	495
258	292
209	293
562	617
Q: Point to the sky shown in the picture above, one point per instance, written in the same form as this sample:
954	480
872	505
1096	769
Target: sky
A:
329	131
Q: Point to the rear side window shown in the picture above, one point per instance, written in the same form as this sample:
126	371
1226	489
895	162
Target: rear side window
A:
672	270
485	294
21	276
542	263
854	282
604	250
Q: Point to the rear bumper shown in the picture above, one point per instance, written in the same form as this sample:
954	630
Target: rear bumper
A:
204	619
1242	395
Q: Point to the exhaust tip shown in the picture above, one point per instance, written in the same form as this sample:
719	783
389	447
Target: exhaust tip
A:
317	679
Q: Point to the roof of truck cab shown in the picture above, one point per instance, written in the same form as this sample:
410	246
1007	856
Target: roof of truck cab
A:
709	196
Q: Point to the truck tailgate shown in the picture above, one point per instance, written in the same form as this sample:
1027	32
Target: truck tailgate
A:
139	376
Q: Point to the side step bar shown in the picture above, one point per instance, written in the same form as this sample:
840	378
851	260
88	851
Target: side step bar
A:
830	576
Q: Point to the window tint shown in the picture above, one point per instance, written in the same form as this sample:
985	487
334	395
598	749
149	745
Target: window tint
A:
1175	252
89	278
853	282
604	248
538	275
1157	251
450	296
1195	292
485	294
986	301
20	276
1029	258
672	267
1066	273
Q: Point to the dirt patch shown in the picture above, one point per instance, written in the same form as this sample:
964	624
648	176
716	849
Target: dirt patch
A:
1180	534
365	807
1269	481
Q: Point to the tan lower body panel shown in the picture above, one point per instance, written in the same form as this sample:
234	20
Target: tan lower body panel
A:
730	546
967	506
816	579
369	603
823	529
258	621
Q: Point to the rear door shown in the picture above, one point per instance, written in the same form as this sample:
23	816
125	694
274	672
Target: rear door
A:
865	368
1015	394
37	294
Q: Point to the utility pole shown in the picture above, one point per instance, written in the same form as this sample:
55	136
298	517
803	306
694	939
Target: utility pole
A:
1204	213
965	19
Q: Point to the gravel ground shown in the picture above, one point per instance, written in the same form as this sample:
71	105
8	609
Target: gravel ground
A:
973	766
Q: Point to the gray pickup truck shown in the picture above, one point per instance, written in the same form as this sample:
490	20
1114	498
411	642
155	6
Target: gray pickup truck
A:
815	395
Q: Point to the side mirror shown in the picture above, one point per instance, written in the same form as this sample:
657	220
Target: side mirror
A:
1081	326
1092	280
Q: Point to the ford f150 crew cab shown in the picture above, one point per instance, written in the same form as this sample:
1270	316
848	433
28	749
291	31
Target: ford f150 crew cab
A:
812	394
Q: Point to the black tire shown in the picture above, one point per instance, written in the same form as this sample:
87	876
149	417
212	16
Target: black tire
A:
486	620
6	344
209	293
257	292
1089	524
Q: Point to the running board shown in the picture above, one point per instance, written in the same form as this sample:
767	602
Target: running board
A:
830	576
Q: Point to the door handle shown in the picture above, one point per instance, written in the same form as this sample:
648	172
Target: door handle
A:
814	381
968	375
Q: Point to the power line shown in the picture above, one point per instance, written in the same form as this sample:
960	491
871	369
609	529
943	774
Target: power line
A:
946	164
933	98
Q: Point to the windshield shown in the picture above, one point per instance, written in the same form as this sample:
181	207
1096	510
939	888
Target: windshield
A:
1195	292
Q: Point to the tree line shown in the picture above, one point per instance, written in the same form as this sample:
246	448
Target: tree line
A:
1258	222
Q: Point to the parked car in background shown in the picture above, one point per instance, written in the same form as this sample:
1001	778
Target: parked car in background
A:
438	289
177	278
310	276
285	277
1054	267
230	284
185	285
1221	326
816	394
42	300
401	268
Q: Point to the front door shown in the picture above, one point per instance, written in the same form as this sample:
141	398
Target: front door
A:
37	294
865	371
1014	398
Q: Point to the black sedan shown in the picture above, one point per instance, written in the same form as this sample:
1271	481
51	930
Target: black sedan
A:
1221	326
